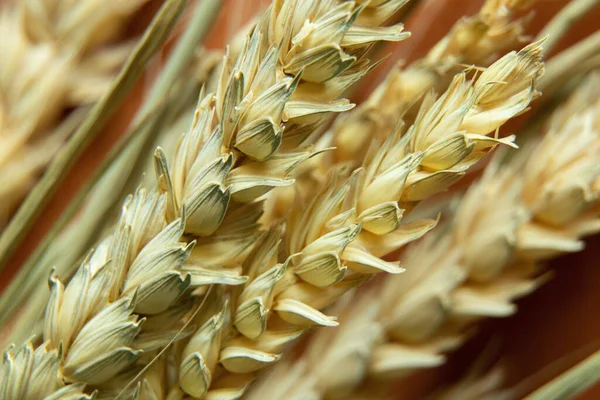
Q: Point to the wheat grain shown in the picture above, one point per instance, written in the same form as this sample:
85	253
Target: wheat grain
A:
227	159
538	206
57	55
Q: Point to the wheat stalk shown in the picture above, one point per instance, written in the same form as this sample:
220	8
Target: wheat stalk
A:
564	20
538	206
93	326
61	54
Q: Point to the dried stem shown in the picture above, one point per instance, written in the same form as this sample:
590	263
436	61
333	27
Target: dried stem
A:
562	22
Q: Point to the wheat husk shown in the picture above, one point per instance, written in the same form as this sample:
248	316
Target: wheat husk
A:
137	282
539	205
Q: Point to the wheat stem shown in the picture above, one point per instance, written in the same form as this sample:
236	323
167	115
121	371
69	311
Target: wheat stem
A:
569	62
562	22
203	17
572	382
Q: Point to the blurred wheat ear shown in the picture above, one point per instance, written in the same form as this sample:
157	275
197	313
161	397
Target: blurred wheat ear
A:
56	56
135	60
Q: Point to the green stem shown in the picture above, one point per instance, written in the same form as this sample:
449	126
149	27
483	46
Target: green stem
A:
563	21
572	382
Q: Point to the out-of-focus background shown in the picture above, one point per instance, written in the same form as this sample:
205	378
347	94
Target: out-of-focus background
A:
555	327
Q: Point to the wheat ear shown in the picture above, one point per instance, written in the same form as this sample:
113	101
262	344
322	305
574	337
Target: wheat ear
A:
230	156
335	240
330	248
61	54
537	206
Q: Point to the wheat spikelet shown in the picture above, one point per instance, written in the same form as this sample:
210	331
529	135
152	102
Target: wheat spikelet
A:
130	292
538	206
57	54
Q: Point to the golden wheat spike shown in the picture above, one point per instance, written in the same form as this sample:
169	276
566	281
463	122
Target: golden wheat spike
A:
130	294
